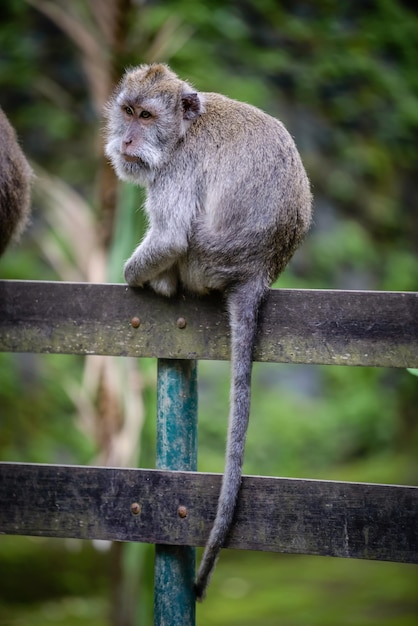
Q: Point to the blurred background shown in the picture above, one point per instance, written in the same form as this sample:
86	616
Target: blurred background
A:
342	77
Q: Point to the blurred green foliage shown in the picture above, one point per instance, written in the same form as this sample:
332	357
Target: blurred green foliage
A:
342	76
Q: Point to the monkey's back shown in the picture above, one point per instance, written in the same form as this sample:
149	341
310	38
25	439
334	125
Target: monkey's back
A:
255	194
15	178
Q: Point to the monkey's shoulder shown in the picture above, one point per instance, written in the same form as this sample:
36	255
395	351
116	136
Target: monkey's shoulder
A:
221	107
232	121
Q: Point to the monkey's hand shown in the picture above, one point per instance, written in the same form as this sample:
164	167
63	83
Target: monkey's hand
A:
165	283
131	273
155	261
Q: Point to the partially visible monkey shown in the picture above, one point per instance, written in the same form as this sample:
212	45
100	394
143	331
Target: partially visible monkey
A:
228	202
15	182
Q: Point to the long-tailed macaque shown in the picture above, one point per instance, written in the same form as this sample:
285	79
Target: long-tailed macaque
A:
15	182
228	203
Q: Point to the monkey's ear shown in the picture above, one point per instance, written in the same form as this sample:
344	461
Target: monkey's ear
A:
192	106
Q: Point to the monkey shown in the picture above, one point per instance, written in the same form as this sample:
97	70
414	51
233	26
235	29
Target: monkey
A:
228	202
15	184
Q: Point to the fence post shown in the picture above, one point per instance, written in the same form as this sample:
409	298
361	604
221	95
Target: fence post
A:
174	599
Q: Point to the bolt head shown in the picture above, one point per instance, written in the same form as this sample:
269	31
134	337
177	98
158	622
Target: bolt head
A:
181	323
135	508
182	511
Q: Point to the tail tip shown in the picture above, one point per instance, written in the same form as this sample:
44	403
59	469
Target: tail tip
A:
200	590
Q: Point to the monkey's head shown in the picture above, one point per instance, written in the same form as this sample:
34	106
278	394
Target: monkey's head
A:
148	114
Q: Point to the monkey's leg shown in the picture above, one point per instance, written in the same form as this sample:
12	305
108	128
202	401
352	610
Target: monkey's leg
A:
165	283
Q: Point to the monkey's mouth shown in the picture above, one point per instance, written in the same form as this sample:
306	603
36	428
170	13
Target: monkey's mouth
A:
130	159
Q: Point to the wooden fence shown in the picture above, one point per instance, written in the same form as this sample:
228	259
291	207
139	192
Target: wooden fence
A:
173	506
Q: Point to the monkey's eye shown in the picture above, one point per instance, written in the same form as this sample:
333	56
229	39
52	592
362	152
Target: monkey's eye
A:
128	110
145	115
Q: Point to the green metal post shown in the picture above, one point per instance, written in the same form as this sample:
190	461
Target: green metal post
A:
174	599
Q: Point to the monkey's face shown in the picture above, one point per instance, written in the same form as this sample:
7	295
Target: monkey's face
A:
137	132
146	118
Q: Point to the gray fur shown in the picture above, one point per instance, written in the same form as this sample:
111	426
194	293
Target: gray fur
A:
15	181
228	202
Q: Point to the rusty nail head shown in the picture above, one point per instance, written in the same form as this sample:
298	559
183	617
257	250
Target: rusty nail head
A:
182	511
135	322
181	323
135	508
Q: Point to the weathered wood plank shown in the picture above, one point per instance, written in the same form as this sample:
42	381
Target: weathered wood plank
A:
352	520
296	326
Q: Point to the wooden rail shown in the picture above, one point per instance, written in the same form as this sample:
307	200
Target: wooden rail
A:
175	509
329	518
296	326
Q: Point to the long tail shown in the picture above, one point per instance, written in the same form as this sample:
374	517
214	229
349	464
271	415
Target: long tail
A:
243	303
